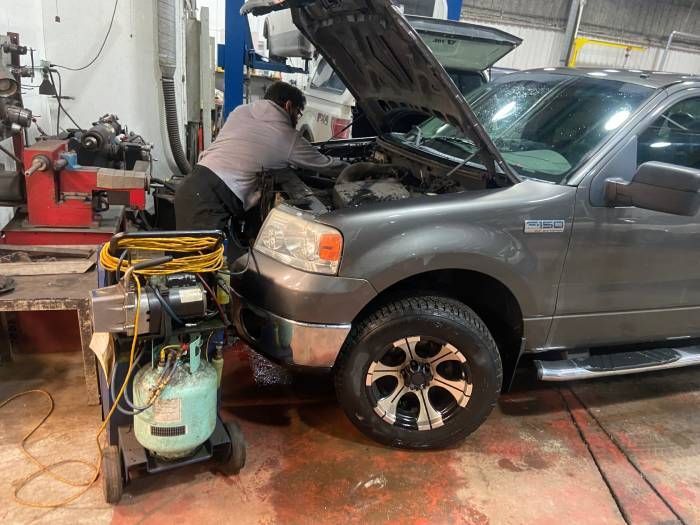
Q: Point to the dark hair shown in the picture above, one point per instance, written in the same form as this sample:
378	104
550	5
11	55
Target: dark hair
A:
280	93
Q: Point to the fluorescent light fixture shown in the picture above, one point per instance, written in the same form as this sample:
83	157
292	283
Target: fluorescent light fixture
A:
660	145
597	74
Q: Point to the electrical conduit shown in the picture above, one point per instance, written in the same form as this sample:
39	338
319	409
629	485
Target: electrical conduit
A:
167	62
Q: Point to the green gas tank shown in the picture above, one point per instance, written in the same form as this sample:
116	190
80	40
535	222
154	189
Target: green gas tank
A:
184	414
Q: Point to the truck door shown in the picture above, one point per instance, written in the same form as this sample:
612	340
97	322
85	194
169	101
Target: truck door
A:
633	275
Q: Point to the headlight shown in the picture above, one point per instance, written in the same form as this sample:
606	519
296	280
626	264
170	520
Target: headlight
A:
300	243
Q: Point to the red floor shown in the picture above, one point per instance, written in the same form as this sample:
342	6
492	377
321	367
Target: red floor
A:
623	450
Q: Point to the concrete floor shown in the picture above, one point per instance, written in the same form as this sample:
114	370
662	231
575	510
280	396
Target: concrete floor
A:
609	451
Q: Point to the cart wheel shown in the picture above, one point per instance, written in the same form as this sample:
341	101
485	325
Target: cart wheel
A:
234	460
111	473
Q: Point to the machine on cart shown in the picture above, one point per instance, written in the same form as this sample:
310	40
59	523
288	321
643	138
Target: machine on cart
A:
80	186
161	302
77	188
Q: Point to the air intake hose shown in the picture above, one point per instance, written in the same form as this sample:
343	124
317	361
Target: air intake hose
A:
167	61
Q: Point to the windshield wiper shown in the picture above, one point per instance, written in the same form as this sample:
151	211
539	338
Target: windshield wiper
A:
451	140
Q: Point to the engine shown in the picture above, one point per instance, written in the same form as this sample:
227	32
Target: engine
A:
374	175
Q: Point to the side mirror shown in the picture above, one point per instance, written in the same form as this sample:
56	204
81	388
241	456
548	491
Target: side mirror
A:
657	186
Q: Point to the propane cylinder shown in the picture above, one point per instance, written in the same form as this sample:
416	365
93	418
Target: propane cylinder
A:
184	414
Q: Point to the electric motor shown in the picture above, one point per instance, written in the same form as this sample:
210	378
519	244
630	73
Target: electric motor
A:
179	296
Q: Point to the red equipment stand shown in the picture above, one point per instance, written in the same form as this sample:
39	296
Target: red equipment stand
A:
62	197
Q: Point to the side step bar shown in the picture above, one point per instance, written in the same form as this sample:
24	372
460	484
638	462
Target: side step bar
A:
617	364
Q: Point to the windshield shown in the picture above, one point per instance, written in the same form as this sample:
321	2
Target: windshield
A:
544	124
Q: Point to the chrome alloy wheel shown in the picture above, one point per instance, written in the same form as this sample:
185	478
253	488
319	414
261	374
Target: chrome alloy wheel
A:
419	383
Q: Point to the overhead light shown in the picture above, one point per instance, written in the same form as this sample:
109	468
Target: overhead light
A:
8	84
660	145
597	74
46	87
616	120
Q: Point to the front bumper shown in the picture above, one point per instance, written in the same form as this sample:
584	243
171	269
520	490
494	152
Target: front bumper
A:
286	341
295	317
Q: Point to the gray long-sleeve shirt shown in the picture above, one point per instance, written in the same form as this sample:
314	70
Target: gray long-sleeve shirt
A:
259	136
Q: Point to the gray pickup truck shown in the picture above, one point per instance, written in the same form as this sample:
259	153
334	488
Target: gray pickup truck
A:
554	212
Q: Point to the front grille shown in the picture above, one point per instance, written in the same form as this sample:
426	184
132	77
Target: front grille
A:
168	431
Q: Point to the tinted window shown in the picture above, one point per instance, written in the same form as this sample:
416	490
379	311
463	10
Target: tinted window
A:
544	124
466	81
674	137
326	78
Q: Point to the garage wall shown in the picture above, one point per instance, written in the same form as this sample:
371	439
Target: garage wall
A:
125	79
541	24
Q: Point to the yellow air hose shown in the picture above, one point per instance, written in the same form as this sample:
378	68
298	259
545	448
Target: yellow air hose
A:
207	254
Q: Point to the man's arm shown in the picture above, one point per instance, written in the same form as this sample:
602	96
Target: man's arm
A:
304	155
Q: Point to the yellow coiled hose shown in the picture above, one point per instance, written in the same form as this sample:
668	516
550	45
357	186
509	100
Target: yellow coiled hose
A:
207	254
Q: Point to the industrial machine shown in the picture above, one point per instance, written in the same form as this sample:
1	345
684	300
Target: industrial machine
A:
161	304
77	188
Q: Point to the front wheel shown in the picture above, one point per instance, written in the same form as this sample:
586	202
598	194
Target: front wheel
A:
422	372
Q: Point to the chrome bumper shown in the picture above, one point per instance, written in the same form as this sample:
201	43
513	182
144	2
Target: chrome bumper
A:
286	341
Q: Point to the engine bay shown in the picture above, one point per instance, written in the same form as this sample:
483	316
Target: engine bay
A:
376	172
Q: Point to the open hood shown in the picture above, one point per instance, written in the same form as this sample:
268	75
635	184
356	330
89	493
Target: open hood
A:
385	64
461	46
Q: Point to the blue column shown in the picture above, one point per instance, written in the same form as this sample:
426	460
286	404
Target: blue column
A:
454	9
234	54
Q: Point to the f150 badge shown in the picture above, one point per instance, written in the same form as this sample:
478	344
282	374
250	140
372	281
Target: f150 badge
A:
545	226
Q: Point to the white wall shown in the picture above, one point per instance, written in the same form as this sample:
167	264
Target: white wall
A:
125	79
542	47
678	61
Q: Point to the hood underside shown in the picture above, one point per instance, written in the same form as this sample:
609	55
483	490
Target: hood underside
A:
385	64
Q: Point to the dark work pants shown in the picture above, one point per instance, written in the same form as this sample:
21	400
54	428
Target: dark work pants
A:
204	202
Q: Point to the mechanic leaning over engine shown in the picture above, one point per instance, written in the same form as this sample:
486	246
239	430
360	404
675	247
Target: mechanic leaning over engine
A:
258	136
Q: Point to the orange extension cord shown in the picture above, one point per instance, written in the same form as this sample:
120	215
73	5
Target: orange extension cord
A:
47	469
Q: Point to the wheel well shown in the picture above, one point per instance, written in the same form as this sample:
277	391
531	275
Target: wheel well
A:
492	301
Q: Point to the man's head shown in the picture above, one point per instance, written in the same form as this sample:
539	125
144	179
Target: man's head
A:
289	98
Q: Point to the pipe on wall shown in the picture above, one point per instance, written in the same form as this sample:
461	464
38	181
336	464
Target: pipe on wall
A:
662	62
167	59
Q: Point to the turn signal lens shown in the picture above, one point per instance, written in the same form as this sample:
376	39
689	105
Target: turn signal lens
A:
330	246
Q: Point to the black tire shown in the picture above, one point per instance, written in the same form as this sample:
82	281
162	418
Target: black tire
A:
111	474
429	320
234	459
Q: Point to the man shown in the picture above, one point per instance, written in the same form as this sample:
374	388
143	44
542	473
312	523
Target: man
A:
256	137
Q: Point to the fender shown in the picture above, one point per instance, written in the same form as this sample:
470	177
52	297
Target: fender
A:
481	231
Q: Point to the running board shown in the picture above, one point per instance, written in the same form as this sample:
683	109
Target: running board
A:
617	364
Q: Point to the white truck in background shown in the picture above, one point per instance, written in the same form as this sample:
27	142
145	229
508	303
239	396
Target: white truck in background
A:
465	50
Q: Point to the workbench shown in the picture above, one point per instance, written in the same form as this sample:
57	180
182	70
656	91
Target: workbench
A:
55	292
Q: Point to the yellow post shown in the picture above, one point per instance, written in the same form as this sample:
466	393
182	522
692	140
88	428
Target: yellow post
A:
582	41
